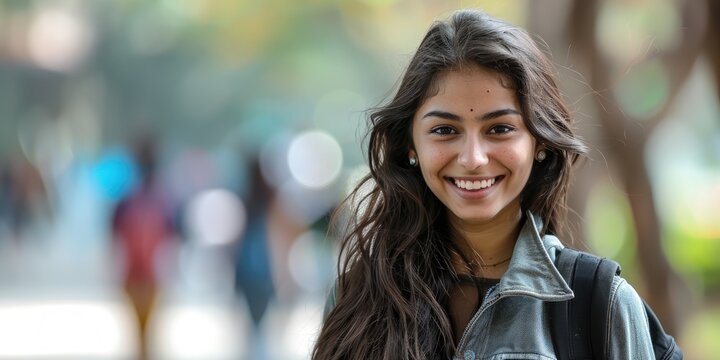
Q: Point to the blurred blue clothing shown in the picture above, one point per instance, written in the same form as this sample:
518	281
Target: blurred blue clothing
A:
253	273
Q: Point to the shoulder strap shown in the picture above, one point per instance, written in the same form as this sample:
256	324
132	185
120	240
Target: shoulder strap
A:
573	321
560	326
604	279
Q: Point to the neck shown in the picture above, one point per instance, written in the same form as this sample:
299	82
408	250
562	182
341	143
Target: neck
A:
487	243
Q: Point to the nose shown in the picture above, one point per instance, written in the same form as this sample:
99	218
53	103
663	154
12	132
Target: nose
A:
473	154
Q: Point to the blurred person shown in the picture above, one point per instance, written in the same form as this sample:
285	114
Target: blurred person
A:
141	225
23	198
7	203
451	248
253	268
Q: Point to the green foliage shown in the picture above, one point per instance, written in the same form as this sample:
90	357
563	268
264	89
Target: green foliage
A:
644	89
611	229
695	255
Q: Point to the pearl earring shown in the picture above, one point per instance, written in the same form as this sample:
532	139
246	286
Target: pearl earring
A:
413	161
541	155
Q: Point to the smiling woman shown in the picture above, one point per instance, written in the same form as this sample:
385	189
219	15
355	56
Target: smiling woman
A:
450	253
474	151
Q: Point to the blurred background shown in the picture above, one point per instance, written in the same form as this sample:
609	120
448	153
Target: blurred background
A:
167	167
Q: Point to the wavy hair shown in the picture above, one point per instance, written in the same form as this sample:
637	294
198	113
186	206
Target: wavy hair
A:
395	270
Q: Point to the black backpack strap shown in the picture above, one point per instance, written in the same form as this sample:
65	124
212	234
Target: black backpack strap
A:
581	307
579	326
573	321
559	326
564	327
605	277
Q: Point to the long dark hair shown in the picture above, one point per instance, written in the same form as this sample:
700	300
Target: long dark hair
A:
395	269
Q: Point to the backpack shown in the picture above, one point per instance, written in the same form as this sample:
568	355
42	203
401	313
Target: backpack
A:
577	325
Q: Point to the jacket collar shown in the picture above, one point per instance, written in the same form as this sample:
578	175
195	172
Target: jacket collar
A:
531	271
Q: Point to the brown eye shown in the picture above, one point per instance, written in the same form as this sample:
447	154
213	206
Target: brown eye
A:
501	129
443	130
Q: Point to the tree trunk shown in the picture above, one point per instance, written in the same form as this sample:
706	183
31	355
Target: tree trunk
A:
624	138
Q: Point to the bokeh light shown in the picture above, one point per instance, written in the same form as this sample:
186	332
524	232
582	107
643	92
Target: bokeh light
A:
627	31
315	159
59	40
294	329
187	331
216	217
116	174
644	89
67	329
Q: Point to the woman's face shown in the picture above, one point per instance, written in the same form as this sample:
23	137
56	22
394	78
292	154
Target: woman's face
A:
473	148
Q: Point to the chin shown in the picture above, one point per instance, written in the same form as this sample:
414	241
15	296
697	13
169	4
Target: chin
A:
475	216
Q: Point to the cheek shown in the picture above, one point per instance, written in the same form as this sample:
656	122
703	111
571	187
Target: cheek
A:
525	164
520	161
432	162
433	158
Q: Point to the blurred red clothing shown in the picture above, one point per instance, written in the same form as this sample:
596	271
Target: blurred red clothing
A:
141	224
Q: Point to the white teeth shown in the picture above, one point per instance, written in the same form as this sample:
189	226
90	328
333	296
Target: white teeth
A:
474	185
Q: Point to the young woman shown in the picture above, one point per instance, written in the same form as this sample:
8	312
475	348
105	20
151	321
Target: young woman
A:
450	250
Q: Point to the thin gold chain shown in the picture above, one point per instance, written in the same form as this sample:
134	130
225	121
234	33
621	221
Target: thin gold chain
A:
496	264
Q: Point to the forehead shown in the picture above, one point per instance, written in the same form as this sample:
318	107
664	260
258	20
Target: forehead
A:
471	83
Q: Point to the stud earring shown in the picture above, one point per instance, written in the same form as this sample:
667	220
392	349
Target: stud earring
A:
541	155
413	161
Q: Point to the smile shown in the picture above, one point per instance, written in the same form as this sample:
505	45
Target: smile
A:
473	185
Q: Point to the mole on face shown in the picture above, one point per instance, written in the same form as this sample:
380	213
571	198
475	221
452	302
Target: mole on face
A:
471	110
487	91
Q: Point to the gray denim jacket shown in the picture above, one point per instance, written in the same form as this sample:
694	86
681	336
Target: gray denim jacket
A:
513	321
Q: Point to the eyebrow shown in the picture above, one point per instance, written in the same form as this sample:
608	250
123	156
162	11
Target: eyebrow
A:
487	116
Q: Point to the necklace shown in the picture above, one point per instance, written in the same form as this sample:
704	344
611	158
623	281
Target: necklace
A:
495	264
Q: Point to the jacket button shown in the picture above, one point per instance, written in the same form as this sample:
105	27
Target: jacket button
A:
469	355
